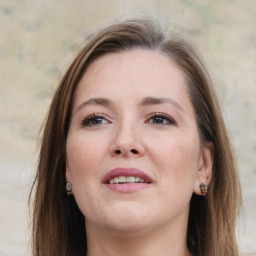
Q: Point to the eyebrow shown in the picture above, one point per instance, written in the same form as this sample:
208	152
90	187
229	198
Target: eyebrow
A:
154	101
145	102
95	101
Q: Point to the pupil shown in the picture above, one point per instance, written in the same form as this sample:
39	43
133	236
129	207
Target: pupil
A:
96	121
158	120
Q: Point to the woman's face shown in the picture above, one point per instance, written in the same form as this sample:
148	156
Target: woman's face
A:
133	151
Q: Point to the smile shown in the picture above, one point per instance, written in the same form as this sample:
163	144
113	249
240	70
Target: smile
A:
123	180
126	180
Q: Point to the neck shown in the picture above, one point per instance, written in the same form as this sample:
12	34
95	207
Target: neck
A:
163	241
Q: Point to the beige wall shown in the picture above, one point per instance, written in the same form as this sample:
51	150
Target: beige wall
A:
39	39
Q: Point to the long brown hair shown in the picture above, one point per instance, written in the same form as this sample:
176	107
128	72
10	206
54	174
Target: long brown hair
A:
58	224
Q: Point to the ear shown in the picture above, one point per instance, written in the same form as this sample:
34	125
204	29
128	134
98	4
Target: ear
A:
68	179
67	173
204	173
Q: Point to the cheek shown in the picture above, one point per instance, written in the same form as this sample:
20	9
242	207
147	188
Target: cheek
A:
177	161
84	155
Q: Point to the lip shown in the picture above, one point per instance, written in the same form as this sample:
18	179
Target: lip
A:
126	172
127	187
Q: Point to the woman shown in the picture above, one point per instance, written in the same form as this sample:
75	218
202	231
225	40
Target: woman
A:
135	158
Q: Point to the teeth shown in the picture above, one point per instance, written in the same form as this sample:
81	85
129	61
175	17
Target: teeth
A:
123	179
130	179
137	179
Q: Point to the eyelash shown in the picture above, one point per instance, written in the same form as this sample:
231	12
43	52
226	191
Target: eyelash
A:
88	120
165	117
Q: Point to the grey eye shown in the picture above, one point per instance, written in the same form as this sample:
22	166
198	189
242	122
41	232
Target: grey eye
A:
94	120
160	119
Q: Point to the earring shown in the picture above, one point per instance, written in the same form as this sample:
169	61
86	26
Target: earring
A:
204	189
69	188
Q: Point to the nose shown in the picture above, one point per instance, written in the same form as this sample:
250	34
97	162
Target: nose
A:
127	142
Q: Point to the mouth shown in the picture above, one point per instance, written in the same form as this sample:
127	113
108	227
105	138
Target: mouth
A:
126	180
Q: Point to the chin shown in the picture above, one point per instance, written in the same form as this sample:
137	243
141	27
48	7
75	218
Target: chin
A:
129	219
126	227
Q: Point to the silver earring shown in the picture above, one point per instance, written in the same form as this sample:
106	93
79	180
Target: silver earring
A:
69	187
204	189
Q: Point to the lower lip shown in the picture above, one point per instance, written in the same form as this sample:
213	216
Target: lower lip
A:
126	188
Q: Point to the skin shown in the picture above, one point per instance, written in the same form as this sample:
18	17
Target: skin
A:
152	220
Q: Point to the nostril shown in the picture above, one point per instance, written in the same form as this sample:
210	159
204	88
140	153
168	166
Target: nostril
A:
131	151
118	152
134	151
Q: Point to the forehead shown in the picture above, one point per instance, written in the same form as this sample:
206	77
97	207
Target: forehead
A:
132	73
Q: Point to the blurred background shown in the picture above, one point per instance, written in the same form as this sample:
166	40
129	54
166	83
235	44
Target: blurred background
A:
38	40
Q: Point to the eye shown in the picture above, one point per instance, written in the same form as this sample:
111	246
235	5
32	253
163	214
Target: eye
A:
94	120
160	119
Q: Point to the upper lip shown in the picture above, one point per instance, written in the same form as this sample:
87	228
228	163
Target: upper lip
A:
126	172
